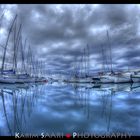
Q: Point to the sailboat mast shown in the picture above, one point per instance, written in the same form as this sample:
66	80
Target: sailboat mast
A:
110	49
17	45
82	66
1	18
88	60
14	56
103	64
85	62
31	58
22	54
29	61
5	48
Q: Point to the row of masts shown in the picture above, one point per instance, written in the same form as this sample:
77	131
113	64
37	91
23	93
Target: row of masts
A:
105	63
82	67
82	72
23	60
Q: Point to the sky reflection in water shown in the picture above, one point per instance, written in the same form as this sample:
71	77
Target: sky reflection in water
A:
69	108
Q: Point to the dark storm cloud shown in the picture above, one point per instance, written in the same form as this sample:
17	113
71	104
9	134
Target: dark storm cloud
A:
59	33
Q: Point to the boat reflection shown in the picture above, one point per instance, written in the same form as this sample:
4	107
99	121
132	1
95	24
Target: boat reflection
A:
18	102
83	107
84	94
125	87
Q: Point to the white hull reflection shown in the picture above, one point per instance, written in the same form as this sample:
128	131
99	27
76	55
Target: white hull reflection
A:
117	87
109	88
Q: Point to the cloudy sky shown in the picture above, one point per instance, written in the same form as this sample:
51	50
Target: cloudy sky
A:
59	33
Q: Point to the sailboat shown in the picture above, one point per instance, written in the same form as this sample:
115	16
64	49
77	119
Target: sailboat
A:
12	76
6	75
85	67
113	77
107	75
122	77
81	69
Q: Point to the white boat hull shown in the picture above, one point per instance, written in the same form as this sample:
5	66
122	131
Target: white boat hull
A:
106	79
122	79
8	81
28	80
136	78
13	80
80	80
115	79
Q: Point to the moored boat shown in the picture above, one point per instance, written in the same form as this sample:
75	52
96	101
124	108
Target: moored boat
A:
16	73
135	78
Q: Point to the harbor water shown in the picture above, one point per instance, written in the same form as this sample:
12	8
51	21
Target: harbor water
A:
67	108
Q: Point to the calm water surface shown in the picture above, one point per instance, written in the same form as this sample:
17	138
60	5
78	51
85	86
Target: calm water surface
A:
69	108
